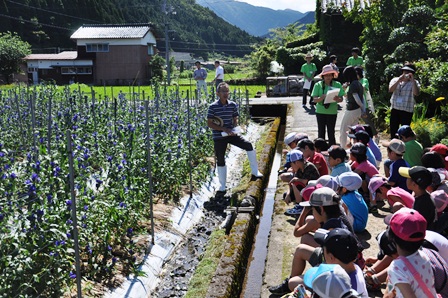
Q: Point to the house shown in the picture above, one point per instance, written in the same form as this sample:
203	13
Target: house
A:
105	55
62	68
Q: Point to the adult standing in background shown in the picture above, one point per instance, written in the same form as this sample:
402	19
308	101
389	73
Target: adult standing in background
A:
219	74
355	104
326	113
200	74
308	69
333	61
403	89
355	59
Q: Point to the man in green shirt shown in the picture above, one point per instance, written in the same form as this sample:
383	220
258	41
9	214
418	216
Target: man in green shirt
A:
355	59
308	69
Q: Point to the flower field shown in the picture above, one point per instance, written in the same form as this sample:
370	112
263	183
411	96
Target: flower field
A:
124	151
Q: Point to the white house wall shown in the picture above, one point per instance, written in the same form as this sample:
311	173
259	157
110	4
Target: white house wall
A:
148	39
49	64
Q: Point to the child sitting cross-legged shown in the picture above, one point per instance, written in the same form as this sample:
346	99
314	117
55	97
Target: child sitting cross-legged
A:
380	189
337	157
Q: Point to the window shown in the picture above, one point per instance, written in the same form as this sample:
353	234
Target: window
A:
76	70
97	47
150	49
32	69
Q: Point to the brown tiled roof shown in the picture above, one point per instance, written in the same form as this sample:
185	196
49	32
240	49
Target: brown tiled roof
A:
111	31
67	55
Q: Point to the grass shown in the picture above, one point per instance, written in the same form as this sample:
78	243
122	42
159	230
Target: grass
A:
200	281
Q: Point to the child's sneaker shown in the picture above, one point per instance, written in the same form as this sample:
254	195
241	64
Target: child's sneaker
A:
296	210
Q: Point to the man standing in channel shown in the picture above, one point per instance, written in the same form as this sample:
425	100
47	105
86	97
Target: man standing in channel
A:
219	77
222	118
200	74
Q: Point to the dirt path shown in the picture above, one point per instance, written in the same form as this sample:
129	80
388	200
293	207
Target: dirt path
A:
282	243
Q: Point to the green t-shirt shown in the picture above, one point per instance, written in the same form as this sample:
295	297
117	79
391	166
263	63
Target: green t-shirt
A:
355	62
365	83
308	70
413	153
321	88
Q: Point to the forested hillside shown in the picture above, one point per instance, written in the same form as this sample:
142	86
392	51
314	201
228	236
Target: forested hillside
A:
48	24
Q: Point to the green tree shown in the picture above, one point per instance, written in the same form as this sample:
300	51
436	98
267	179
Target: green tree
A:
12	51
157	65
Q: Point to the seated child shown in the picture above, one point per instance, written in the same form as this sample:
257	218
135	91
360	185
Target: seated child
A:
353	202
380	189
361	166
337	161
395	151
310	154
414	149
410	275
418	179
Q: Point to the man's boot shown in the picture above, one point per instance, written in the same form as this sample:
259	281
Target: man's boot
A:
222	176
254	164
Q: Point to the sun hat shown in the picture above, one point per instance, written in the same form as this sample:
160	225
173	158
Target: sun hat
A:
408	68
308	190
309	55
329	280
217	120
386	247
442	149
337	152
291	137
375	183
341	243
405	131
327	69
358	148
396	146
407	224
323	196
350	180
328	181
440	199
420	175
295	155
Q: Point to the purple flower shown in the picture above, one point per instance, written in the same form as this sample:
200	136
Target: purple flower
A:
68	203
72	275
109	248
13	176
122	205
34	177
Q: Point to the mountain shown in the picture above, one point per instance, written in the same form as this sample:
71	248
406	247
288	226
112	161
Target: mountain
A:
255	20
48	24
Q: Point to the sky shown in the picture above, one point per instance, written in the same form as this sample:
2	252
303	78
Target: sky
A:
299	5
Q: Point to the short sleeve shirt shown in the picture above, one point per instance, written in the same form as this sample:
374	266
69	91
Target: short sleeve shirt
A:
413	153
200	74
355	62
308	69
358	208
340	168
358	282
365	167
225	112
395	177
398	272
425	206
354	88
219	73
403	98
404	195
321	88
319	161
309	172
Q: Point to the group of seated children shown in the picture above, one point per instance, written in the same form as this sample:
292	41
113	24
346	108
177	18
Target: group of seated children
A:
333	194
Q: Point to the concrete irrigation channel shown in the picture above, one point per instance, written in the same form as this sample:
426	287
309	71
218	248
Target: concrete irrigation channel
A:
259	243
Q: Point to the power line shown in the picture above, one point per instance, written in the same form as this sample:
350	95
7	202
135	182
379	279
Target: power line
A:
34	23
53	12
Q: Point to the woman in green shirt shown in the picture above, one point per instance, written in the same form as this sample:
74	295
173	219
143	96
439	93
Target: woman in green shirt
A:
326	113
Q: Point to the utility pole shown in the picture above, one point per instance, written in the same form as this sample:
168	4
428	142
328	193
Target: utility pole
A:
167	10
